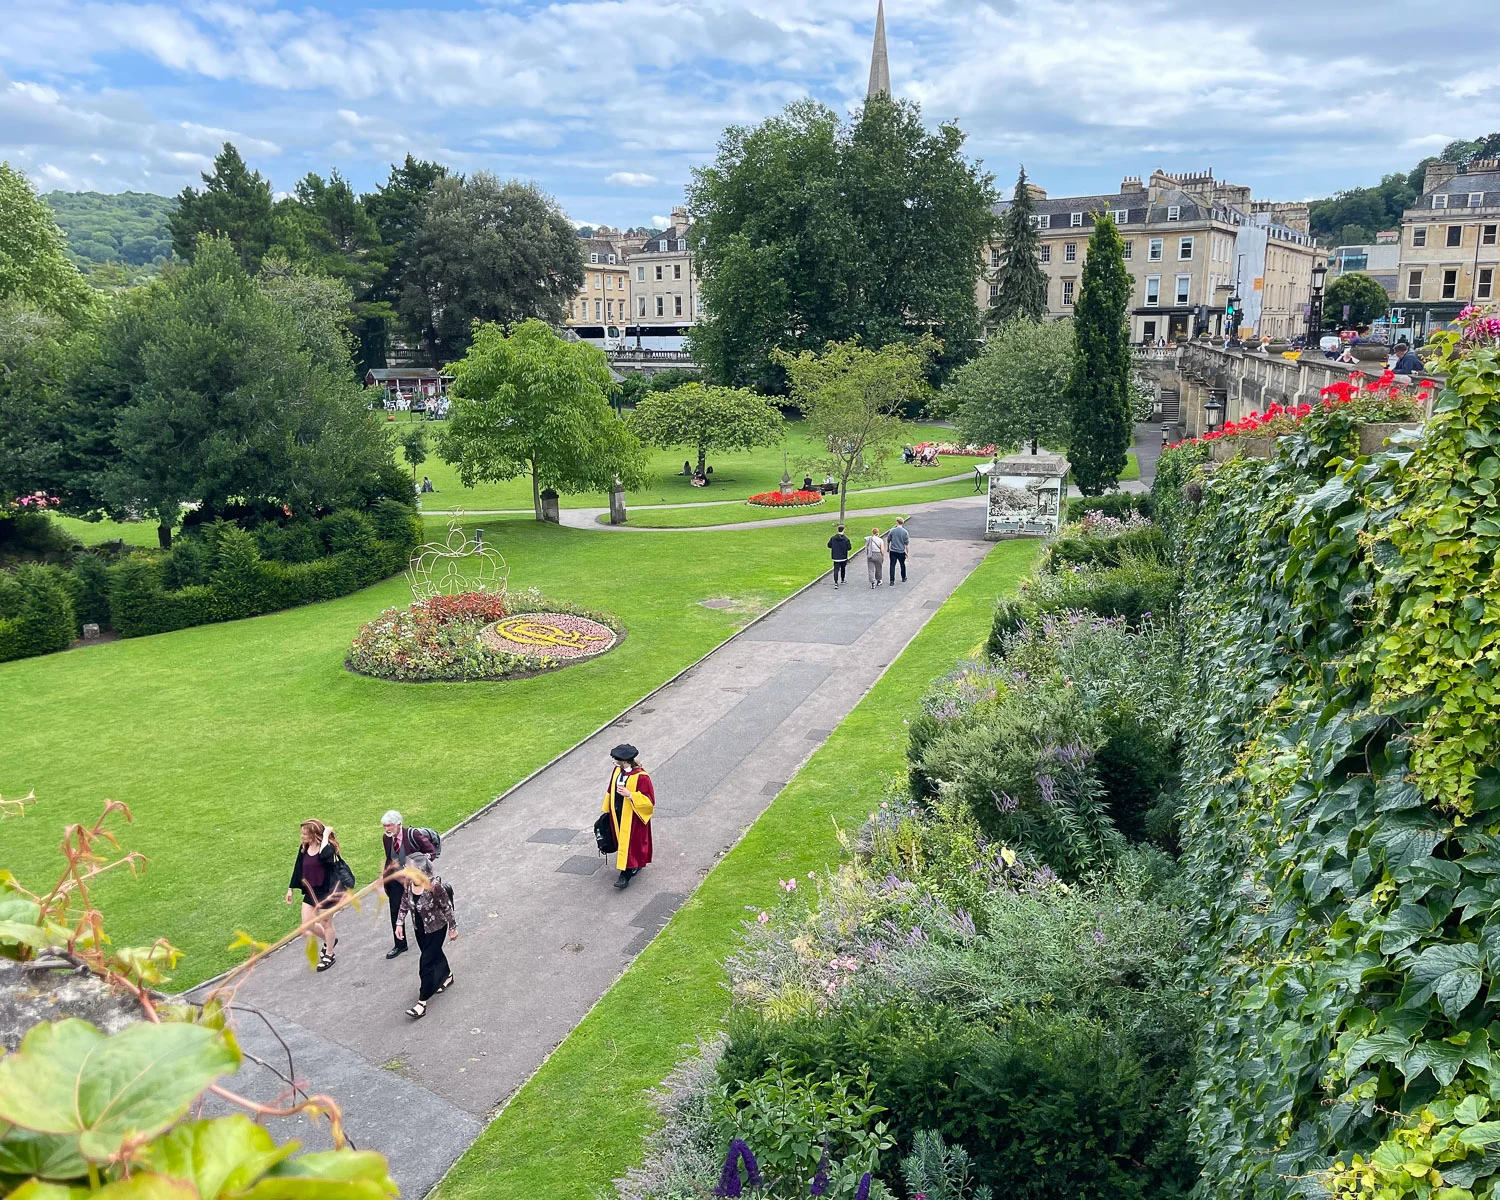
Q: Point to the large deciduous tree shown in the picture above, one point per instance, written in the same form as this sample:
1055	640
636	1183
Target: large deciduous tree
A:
1020	280
235	203
808	230
1099	393
1367	301
852	397
526	401
209	386
708	419
1016	391
34	268
485	251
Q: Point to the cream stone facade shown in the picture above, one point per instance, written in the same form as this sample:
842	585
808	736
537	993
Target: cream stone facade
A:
605	296
663	290
1450	244
1183	249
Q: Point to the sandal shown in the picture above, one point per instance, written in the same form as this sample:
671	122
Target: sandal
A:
417	1010
445	985
325	960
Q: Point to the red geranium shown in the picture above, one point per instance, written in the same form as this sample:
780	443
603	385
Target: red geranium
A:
1279	418
796	499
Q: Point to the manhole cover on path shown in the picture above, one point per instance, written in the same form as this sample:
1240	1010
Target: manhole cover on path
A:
549	635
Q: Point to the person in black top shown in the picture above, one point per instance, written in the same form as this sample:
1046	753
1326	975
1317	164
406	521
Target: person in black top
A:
1406	363
432	918
399	842
315	874
840	546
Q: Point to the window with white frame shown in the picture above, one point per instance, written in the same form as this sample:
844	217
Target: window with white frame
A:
1070	252
1476	199
1153	250
611	258
994	290
1450	284
660	310
994	257
662	246
1455	235
1120	216
1184	287
1184	248
593	258
609	309
598	283
1067	298
1440	200
676	270
1153	290
1419	235
1174	212
1042	220
1487	235
682	243
1414	285
1046	254
1484	284
677	306
1129	250
598	310
1075	219
640	274
642	306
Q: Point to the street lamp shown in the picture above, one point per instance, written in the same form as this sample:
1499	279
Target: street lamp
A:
1213	412
1315	305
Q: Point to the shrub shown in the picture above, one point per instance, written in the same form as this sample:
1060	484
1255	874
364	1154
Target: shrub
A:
189	562
32	536
396	523
1134	589
294	542
347	530
36	613
236	579
1115	504
1096	544
89	586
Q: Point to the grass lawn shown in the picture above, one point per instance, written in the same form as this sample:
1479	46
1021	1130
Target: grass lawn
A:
736	475
577	1123
738	510
222	738
91	533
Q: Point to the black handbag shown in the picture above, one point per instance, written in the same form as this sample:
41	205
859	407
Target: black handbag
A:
604	835
343	873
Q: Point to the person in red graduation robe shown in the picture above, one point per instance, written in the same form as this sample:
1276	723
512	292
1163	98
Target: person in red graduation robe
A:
629	799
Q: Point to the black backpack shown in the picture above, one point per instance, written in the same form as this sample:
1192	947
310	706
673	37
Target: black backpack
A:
432	835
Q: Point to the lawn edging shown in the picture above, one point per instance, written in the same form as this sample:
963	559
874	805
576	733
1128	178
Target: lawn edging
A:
576	1123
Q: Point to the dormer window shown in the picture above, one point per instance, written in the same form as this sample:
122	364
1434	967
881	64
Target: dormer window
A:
593	258
1042	220
682	243
1174	212
1120	216
662	246
1440	200
611	258
1476	199
1075	219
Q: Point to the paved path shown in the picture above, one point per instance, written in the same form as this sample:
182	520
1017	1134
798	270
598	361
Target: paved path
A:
543	931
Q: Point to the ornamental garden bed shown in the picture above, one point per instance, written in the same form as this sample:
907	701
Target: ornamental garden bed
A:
798	499
477	636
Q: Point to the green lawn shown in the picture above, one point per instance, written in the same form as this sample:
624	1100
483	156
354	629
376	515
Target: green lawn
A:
738	510
578	1122
736	475
91	533
223	738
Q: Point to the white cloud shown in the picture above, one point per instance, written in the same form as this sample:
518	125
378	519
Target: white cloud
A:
633	179
660	222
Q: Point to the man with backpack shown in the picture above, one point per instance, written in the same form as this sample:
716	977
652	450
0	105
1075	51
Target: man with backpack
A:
401	842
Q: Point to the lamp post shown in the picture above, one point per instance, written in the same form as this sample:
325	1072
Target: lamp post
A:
1213	413
1315	305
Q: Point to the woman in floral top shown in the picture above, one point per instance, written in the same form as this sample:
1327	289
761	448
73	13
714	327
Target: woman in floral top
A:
431	906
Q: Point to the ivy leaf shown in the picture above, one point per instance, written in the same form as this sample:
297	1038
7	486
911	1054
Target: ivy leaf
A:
1486	1133
227	1154
1428	873
1451	971
1443	1058
69	1078
1378	1047
1406	839
44	1155
1409	923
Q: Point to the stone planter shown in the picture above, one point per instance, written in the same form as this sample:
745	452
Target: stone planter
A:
1371	352
1242	447
1373	437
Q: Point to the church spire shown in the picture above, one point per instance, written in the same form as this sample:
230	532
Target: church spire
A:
880	66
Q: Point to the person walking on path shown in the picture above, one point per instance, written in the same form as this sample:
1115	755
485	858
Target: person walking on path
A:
432	918
840	545
399	842
316	875
897	540
630	799
875	556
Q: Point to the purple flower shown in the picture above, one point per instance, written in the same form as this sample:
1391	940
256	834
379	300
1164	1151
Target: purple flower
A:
1048	788
864	1187
1099	938
819	1185
964	923
1004	802
729	1177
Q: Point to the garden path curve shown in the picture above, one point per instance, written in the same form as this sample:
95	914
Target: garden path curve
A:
543	933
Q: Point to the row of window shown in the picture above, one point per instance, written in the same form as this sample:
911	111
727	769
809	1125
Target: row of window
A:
605	283
1484	284
1153	290
1475	200
1155	248
676	268
1455	235
1120	216
604	310
664	247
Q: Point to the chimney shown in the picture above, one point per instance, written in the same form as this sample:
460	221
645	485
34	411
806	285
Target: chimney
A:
1481	166
1131	184
679	220
1036	191
1438	173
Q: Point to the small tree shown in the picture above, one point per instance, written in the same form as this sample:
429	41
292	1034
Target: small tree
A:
1020	279
1016	392
852	397
1367	301
414	448
527	401
1099	387
707	418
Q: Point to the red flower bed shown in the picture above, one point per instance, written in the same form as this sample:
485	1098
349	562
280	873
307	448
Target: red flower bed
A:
483	607
797	499
1281	418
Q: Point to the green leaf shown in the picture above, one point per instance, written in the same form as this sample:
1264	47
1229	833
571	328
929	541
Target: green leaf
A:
1451	969
1378	1047
20	921
1486	1133
330	1175
67	1077
1444	1059
46	1155
226	1154
144	1186
36	1189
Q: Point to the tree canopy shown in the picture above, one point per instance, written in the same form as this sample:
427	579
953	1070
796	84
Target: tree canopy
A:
852	397
1099	392
485	250
1020	280
527	401
124	227
707	419
34	267
1367	300
1017	389
809	230
235	203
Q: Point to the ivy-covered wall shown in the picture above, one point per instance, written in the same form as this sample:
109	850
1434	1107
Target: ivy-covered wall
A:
1342	803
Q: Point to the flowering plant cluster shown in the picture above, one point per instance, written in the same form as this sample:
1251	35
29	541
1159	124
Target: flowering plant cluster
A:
965	450
1479	326
797	499
33	502
1100	524
1381	399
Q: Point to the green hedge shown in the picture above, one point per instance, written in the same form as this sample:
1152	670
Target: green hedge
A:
36	612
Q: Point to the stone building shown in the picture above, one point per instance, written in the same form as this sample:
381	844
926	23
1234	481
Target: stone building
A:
662	288
1184	252
1449	250
605	295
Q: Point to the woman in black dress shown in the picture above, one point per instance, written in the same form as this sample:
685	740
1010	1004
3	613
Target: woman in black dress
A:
315	874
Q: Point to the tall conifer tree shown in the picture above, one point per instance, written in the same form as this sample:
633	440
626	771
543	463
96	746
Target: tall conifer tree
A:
1099	387
235	203
1021	280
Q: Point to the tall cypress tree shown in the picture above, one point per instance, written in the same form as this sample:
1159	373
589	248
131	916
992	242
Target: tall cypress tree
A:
235	202
1021	280
1099	387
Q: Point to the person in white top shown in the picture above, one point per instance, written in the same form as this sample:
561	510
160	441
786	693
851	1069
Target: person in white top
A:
875	556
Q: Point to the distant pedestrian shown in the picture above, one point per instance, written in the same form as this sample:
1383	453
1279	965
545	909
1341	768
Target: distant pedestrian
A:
399	842
1407	363
840	546
629	799
875	556
896	541
432	917
316	875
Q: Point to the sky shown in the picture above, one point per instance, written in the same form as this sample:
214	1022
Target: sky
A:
609	104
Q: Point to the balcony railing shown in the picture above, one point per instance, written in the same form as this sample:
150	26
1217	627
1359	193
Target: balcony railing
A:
630	354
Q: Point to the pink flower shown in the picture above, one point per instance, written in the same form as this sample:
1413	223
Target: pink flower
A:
788	885
762	918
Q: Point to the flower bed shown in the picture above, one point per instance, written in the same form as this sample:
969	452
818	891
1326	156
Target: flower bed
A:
797	499
455	639
956	450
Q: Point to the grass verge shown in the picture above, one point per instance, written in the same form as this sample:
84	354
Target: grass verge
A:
578	1122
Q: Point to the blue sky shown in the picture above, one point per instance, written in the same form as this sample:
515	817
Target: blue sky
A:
609	104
